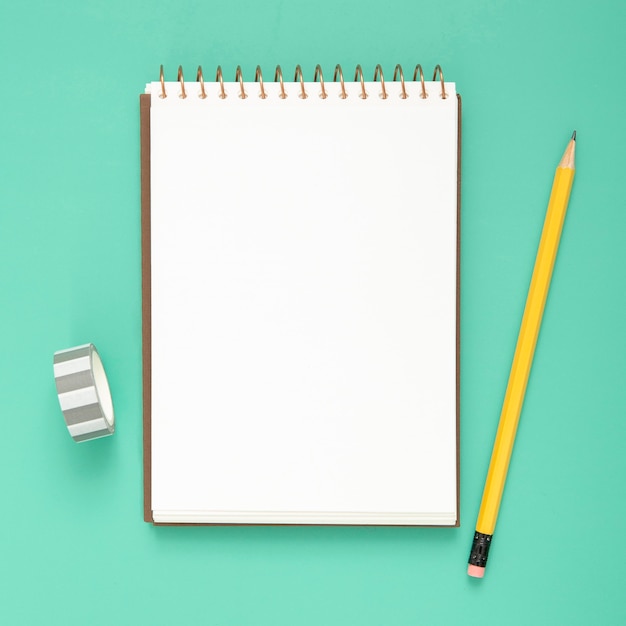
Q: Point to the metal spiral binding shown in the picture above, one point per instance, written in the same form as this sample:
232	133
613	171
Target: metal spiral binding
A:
200	79
359	77
379	71
303	95
258	78
339	71
443	87
398	69
219	77
181	80
359	74
418	68
278	75
239	78
318	72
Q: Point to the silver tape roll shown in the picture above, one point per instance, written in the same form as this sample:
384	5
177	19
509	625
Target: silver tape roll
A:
84	393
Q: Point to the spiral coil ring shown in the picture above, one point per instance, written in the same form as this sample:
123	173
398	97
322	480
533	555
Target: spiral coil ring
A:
444	95
162	79
181	80
220	77
377	71
239	77
278	75
359	74
404	95
258	78
318	72
418	68
339	71
418	74
200	79
303	93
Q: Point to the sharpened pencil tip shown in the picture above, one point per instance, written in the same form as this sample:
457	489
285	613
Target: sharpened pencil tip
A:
574	135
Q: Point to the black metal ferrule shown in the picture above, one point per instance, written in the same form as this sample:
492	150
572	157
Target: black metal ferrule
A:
480	549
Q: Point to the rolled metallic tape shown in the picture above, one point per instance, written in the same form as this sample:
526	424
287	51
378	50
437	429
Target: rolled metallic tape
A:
84	393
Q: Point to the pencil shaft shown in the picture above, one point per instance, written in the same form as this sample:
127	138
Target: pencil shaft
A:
524	350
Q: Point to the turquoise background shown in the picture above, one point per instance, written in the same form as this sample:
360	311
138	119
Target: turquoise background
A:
73	546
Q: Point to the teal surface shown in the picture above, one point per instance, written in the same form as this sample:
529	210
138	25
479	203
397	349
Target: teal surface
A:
73	546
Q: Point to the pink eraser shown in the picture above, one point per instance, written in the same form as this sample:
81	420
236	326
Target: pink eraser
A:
475	571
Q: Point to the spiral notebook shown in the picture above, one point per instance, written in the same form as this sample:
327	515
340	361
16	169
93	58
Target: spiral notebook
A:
301	299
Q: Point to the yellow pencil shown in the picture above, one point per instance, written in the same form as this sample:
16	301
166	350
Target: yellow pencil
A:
522	361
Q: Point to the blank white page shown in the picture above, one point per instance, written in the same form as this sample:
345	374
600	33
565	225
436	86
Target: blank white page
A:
304	306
